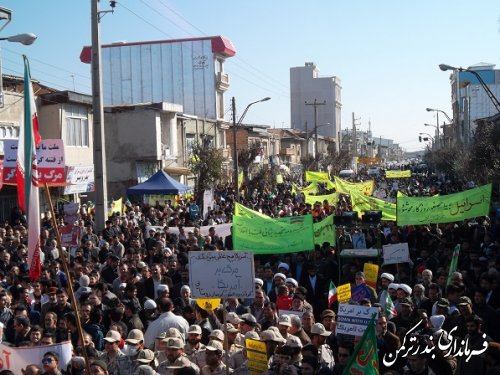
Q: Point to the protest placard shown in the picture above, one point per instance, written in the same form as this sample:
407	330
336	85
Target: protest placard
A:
257	356
222	274
344	293
371	274
396	253
16	359
360	292
353	319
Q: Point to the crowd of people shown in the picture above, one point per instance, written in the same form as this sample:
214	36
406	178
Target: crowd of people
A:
134	303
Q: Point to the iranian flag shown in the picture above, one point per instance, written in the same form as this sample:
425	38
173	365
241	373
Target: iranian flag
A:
28	197
390	309
332	294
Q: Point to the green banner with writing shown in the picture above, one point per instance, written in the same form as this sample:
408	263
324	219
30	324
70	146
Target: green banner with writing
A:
317	176
260	234
362	203
324	231
331	198
398	174
444	208
365	188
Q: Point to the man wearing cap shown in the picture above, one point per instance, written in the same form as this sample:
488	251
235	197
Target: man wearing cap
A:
404	320
176	358
278	279
134	345
194	349
284	324
272	340
111	351
385	280
166	320
214	359
403	292
465	307
98	367
318	339
296	330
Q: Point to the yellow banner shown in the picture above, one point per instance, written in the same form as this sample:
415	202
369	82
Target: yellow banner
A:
317	176
362	203
279	179
310	189
371	273
331	198
398	174
365	188
344	293
116	207
240	179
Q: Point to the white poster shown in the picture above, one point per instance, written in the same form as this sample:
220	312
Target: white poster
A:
221	274
396	253
16	359
353	319
81	178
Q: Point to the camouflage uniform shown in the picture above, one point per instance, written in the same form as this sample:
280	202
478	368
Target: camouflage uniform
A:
182	361
236	357
196	356
127	365
112	361
220	370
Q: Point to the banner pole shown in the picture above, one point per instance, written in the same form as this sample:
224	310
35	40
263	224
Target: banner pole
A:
62	257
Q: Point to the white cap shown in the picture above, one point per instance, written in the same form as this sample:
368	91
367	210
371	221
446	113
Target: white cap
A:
162	288
259	281
437	321
150	304
279	274
284	265
393	286
405	287
387	276
84	280
292	281
285	320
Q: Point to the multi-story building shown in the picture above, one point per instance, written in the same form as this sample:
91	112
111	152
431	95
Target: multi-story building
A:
312	94
469	99
160	97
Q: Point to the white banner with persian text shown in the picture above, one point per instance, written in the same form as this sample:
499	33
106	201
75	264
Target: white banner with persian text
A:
16	359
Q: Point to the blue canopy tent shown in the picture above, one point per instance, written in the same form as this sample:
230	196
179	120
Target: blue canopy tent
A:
159	183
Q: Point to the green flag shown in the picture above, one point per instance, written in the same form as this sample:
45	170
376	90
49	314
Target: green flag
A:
453	264
365	357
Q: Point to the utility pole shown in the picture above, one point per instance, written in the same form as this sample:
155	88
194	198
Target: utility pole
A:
316	104
354	140
307	142
235	153
101	189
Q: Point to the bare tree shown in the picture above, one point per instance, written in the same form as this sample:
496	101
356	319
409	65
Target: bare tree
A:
206	165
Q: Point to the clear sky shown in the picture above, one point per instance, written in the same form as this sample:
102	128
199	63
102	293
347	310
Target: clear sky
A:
385	52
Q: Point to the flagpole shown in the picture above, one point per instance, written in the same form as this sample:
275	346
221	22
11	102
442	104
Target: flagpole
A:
62	256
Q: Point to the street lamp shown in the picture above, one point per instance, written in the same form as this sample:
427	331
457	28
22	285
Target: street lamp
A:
493	98
430	136
235	153
437	121
25	39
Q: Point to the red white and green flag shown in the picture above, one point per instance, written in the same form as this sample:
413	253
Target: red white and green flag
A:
332	294
390	309
28	198
453	264
364	360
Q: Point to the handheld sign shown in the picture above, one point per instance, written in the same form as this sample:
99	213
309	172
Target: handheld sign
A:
396	253
221	274
344	293
353	319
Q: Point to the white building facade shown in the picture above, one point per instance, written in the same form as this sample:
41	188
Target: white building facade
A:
308	87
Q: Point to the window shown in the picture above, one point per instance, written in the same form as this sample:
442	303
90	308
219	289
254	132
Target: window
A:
189	143
77	126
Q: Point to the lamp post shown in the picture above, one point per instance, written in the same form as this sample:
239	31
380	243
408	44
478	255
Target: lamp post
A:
437	121
493	98
25	39
235	152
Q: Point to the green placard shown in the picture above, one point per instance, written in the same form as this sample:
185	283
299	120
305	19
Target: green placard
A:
324	231
255	232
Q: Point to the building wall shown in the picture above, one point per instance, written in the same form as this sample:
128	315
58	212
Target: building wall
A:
131	135
470	101
187	72
305	86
